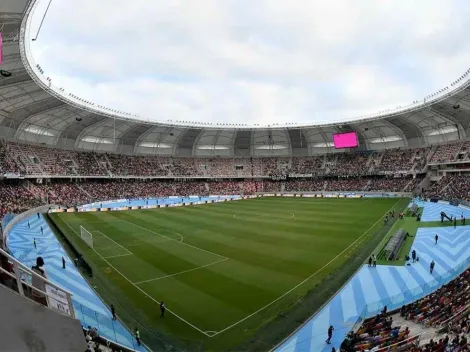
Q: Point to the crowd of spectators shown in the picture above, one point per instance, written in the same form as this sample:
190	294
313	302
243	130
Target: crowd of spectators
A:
23	195
375	333
39	161
441	305
451	187
446	310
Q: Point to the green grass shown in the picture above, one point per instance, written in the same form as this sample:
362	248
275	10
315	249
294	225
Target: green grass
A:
227	269
410	225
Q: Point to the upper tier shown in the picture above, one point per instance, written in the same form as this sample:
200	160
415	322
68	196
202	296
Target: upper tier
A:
35	161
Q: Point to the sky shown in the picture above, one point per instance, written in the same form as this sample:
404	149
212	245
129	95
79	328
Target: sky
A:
254	62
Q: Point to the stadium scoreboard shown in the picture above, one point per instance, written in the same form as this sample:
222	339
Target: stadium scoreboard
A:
345	140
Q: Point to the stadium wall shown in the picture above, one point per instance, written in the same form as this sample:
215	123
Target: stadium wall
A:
27	326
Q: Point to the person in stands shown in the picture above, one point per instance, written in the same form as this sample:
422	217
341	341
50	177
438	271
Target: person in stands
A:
38	282
436	238
431	266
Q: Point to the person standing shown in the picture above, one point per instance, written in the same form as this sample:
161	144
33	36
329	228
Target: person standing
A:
330	334
162	309
436	238
374	260
413	255
34	242
455	222
370	261
113	312
137	336
431	266
42	230
63	263
38	282
29	225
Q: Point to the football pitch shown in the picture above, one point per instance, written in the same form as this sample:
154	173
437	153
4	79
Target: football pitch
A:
224	270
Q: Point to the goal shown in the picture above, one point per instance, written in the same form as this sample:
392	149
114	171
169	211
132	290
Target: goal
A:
86	236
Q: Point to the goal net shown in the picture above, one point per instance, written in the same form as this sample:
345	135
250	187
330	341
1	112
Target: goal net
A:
86	236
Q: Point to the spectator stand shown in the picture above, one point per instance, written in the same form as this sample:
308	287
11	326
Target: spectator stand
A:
370	289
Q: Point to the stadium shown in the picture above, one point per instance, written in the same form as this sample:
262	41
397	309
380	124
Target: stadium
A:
182	236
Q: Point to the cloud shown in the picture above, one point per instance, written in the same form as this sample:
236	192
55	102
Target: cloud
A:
259	62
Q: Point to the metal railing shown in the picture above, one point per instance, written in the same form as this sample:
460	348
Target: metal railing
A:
402	345
20	279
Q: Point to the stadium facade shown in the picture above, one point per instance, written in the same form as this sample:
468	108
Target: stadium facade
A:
34	110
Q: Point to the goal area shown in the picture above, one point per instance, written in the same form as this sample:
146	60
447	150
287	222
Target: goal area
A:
86	236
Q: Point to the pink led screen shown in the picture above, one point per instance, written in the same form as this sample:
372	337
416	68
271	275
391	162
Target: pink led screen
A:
345	140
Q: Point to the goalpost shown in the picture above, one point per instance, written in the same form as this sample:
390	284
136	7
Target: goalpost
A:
86	236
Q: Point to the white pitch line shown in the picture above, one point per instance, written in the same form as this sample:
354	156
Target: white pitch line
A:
304	281
183	243
181	272
117	256
137	287
237	216
115	242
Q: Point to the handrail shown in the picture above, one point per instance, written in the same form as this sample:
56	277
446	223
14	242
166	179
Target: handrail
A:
58	298
397	345
446	322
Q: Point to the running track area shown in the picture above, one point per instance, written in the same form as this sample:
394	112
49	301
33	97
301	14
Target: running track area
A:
372	288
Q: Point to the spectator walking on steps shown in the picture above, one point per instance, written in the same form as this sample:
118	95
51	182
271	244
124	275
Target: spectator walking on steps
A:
162	309
42	230
431	266
34	242
38	216
63	263
330	334
29	225
436	238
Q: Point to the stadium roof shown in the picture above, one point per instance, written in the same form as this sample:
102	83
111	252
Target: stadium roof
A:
33	110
